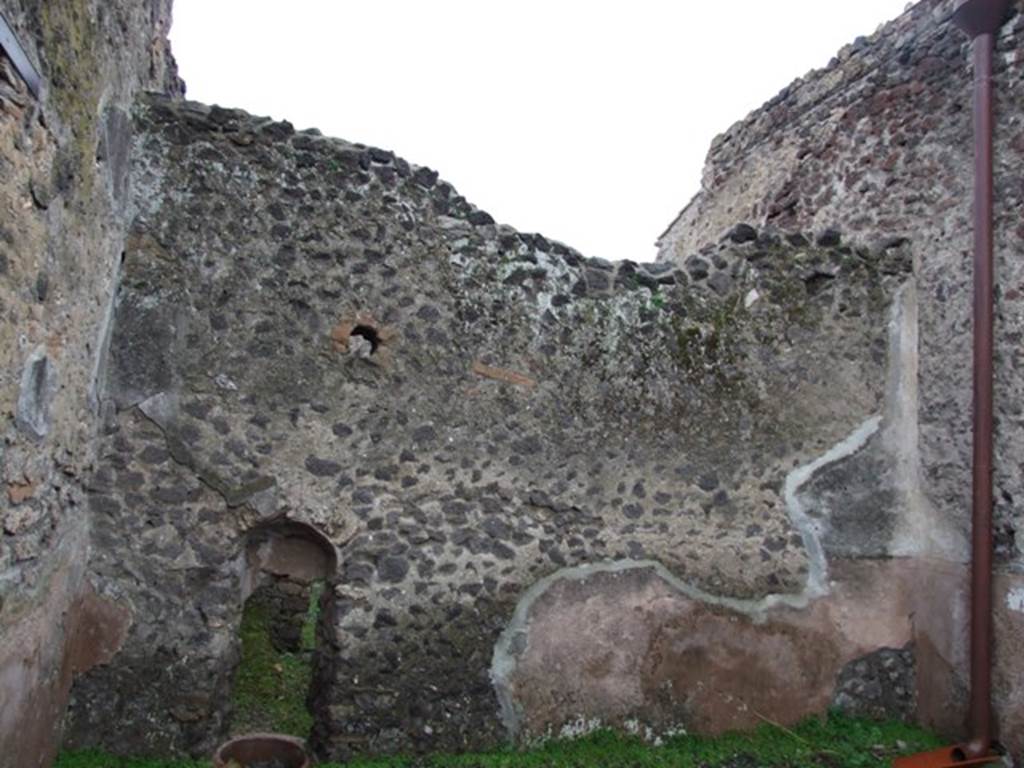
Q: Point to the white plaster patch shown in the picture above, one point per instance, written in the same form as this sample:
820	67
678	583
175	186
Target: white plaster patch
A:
223	381
920	529
1015	599
579	727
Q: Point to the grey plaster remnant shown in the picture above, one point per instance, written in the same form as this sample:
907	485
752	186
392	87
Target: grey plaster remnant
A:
811	530
97	393
920	529
514	641
38	386
115	148
265	502
856	500
161	409
144	341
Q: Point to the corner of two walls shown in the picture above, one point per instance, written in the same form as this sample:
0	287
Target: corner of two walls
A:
891	157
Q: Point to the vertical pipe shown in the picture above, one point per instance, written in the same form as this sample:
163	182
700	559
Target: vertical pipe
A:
981	545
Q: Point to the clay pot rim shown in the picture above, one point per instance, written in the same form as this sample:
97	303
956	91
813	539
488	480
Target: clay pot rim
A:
220	762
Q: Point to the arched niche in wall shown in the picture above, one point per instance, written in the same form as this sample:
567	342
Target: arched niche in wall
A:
284	560
286	593
290	549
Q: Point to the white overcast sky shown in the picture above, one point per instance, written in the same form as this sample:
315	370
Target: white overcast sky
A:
586	120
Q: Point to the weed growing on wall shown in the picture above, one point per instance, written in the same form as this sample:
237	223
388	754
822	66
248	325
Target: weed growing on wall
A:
271	686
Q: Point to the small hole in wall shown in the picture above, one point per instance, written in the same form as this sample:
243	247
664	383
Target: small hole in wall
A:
367	332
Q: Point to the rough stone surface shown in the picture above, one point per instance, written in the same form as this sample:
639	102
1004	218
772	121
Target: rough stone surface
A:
880	685
287	602
61	229
544	490
499	424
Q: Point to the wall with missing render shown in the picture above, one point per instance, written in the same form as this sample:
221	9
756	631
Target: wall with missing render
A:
319	331
560	491
879	144
63	161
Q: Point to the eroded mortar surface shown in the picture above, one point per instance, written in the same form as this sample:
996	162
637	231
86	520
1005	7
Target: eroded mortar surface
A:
319	330
546	491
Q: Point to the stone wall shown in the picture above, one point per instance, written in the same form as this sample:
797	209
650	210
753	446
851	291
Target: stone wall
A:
548	492
879	144
316	331
62	170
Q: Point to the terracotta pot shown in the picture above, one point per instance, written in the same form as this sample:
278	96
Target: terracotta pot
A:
263	750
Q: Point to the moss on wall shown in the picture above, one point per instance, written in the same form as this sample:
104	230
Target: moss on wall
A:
69	33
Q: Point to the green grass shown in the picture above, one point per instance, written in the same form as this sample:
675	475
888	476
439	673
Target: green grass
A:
91	758
833	742
270	687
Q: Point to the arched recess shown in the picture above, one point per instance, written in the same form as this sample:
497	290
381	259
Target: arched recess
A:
287	597
285	559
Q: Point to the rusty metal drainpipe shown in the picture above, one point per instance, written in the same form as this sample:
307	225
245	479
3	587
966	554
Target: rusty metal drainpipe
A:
981	528
981	19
